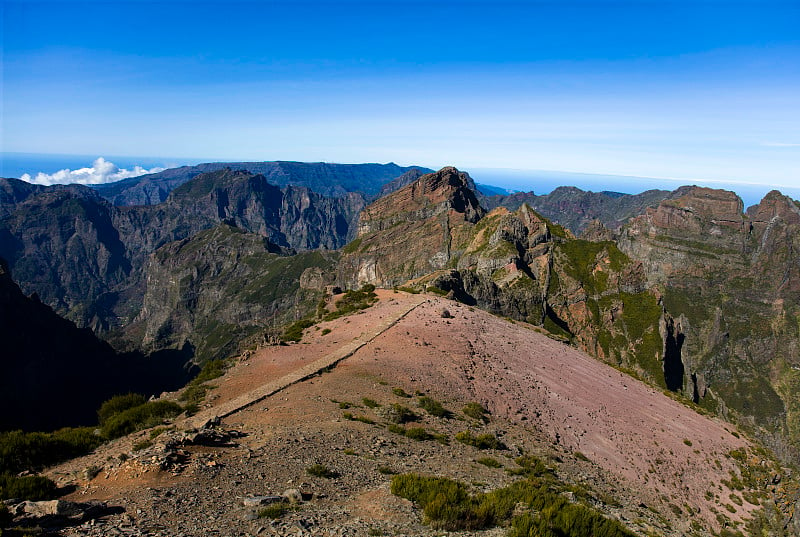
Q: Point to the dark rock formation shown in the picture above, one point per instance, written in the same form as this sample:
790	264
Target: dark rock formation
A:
53	374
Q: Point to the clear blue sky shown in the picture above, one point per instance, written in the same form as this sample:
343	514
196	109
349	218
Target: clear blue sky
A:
679	89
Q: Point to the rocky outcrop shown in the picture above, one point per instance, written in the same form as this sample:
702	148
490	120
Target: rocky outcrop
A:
434	234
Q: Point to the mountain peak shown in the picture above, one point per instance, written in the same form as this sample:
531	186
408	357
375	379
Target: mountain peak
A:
434	193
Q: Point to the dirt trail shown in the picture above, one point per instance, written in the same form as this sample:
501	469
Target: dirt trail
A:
252	397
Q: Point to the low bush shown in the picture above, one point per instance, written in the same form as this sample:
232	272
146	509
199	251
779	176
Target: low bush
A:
294	332
490	462
370	403
21	451
140	417
481	441
397	413
353	301
475	411
400	392
418	433
119	403
448	505
30	487
319	470
274	511
433	407
211	370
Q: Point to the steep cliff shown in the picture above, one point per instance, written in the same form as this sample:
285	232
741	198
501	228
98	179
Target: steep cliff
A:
730	284
576	209
224	286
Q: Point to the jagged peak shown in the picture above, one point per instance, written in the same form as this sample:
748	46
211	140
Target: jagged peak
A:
775	204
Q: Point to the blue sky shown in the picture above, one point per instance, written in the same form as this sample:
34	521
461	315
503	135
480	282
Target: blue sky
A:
691	90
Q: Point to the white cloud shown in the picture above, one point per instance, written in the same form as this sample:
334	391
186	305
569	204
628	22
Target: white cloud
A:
101	171
779	144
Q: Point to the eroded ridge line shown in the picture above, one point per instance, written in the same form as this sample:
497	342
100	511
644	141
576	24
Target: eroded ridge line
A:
307	371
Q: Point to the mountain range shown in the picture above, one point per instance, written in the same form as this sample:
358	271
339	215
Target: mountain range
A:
682	290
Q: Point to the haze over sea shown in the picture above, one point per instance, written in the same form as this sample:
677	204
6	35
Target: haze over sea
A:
538	181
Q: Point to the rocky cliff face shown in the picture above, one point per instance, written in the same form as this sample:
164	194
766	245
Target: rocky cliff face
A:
224	286
434	233
53	374
731	284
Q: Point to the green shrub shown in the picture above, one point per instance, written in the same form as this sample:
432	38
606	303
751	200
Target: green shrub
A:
433	407
211	370
475	411
119	403
364	419
21	451
400	392
326	331
490	462
448	505
194	393
353	301
274	510
294	332
140	417
529	466
580	456
319	470
29	487
481	441
370	403
385	470
418	433
345	404
396	413
396	429
687	442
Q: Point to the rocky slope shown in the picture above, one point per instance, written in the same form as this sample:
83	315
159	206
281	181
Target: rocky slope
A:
656	466
332	180
53	374
730	284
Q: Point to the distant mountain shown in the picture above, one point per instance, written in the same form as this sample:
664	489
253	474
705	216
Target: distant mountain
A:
53	374
575	209
332	180
86	258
